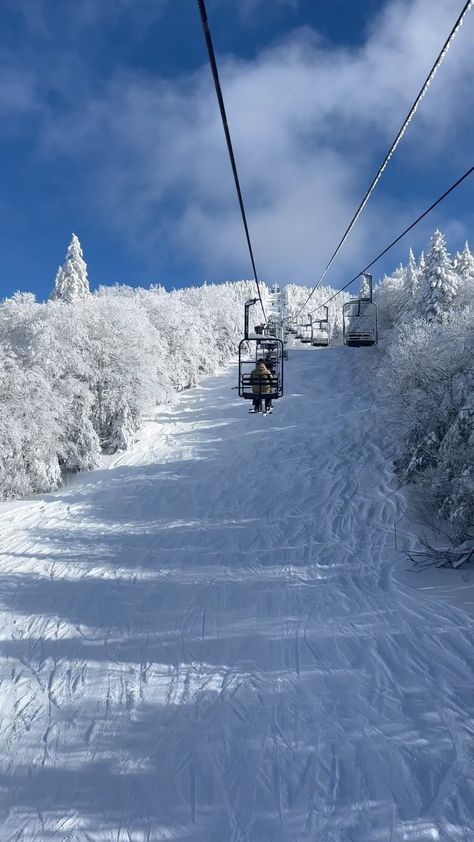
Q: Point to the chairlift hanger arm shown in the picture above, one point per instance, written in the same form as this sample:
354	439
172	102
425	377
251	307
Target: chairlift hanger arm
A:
247	306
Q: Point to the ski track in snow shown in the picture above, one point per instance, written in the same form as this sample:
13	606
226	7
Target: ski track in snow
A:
205	643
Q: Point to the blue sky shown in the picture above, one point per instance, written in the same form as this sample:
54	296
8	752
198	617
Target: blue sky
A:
110	129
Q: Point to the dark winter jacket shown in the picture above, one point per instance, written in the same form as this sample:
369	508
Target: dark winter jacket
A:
261	380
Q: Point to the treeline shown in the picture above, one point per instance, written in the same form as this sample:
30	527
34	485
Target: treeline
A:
295	298
78	373
426	313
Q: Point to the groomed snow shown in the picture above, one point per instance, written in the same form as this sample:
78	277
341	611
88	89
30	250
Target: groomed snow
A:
205	641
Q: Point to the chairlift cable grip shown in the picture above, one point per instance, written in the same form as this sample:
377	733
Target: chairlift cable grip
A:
220	99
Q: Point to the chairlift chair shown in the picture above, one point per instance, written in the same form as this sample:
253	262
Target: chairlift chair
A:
299	331
252	349
259	346
321	331
307	334
359	317
307	331
359	323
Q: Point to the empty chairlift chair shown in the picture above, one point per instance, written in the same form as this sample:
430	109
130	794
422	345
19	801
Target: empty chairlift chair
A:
299	331
307	331
359	318
321	331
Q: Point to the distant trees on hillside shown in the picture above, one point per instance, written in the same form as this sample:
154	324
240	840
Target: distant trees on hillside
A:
295	297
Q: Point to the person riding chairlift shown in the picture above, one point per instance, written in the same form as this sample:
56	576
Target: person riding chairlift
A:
270	362
261	380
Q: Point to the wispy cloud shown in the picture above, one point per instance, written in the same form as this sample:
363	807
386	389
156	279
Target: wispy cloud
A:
309	120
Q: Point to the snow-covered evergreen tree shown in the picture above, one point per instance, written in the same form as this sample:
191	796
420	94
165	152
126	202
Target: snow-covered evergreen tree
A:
439	282
465	266
421	264
365	287
410	285
71	283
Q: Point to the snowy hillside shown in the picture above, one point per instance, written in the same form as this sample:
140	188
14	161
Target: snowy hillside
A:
237	519
208	639
79	373
205	642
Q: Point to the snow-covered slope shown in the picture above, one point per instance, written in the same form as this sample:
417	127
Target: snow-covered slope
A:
205	643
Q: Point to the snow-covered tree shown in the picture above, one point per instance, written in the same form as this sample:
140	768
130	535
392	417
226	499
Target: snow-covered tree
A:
428	370
439	282
365	287
455	472
71	283
74	387
29	429
81	448
465	266
410	285
123	431
389	297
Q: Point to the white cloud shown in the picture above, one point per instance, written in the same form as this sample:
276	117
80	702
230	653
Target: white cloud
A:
310	122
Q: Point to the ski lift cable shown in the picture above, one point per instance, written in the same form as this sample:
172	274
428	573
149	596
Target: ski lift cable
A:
220	99
395	143
394	242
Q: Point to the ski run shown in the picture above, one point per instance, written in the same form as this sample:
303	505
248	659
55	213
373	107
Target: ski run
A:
208	640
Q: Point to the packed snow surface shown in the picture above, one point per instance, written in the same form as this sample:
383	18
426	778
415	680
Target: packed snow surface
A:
204	641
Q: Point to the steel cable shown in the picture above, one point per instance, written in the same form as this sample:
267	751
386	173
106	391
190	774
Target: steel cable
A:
394	242
394	145
220	99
